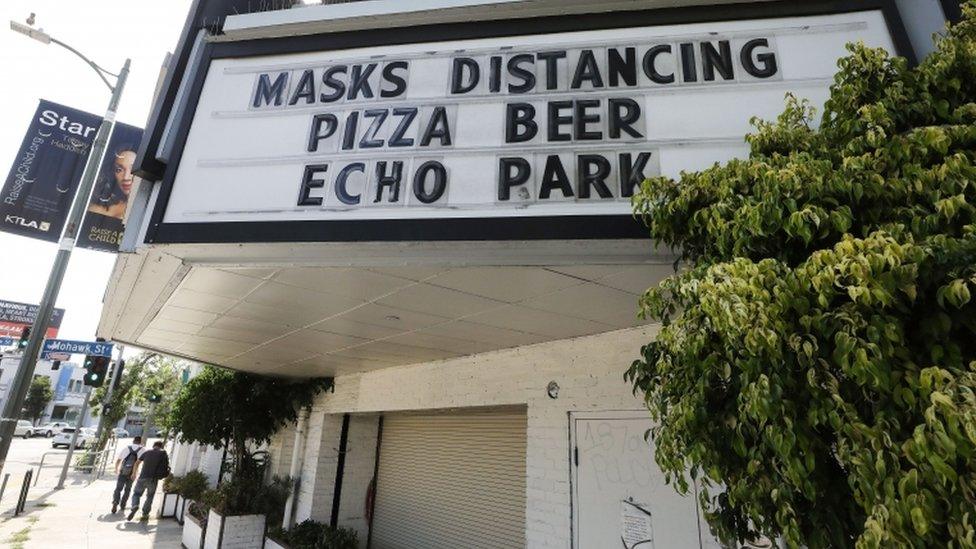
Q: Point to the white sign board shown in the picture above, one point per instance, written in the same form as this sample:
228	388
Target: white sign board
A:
542	125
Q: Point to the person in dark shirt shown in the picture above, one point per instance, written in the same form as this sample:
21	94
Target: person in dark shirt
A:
153	465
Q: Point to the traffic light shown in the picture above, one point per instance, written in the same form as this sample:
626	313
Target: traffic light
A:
24	336
96	368
117	376
56	365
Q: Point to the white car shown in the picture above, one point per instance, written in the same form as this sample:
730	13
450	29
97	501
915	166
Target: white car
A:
120	432
85	438
23	429
50	429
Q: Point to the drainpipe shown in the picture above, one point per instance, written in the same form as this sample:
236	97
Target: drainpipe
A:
294	472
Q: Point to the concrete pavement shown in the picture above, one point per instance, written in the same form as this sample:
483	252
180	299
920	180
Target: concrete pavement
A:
78	516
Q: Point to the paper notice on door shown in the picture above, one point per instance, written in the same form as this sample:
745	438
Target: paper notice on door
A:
635	525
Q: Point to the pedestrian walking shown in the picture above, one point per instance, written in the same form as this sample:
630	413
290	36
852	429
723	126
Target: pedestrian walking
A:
153	465
125	463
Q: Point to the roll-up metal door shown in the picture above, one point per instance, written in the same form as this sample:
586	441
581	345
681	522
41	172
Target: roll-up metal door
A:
452	480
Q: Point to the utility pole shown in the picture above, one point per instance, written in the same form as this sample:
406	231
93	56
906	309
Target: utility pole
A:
21	382
74	440
116	374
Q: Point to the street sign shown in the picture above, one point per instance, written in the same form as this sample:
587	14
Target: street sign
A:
55	356
6	341
91	348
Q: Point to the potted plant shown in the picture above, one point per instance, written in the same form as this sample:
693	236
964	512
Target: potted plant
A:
171	497
240	509
312	535
191	488
232	410
195	525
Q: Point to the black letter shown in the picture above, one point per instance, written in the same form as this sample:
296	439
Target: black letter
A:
581	119
457	75
585	178
349	135
587	69
305	88
369	140
392	181
527	76
555	120
340	185
437	127
622	67
420	180
649	68
519	115
397	139
399	82
550	57
495	77
507	179
713	59
309	182
632	175
688	62
266	90
554	177
337	85
359	81
767	59
619	120
316	134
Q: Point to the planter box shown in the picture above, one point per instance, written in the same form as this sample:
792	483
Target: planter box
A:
234	532
170	503
193	533
271	543
181	504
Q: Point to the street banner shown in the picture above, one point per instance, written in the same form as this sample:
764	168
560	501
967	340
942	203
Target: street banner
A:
42	183
104	222
15	316
64	378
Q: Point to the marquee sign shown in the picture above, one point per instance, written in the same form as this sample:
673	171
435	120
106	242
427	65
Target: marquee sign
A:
550	126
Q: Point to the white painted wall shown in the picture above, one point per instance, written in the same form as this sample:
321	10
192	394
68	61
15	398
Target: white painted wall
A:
589	371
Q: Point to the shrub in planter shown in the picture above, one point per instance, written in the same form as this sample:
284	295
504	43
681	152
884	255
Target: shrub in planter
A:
240	508
193	485
315	535
171	497
195	525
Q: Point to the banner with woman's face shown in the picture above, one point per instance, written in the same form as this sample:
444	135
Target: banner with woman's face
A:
104	223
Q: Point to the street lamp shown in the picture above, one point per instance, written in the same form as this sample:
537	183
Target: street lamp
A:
28	360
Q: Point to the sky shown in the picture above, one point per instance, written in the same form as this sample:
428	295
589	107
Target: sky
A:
106	32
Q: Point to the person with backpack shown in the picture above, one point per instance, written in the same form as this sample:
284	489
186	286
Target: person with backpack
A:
153	466
125	462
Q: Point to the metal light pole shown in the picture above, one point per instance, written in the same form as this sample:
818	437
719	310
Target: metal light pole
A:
28	361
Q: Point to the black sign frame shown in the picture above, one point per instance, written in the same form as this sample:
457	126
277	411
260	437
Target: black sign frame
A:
568	227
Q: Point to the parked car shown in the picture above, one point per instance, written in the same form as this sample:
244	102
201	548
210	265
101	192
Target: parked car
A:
120	433
23	429
50	429
85	438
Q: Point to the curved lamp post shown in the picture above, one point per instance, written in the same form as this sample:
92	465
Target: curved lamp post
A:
28	361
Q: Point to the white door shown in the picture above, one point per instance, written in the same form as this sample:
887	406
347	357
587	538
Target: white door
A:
620	498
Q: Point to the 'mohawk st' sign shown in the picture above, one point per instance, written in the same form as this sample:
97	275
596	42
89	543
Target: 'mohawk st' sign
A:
549	125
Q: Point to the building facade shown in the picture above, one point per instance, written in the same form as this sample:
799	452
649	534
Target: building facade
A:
430	203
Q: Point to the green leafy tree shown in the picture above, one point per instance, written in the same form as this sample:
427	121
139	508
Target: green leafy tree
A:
230	409
38	396
816	365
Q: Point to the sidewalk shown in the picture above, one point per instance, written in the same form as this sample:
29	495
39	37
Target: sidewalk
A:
79	517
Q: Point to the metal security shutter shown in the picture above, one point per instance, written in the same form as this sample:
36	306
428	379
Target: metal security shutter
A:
450	481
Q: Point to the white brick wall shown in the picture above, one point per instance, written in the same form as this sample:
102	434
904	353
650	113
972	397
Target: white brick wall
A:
589	371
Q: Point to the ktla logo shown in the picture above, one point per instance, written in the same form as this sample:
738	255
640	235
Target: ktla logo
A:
27	223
